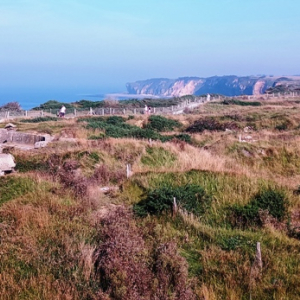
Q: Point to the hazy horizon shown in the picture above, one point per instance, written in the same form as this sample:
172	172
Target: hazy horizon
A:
97	47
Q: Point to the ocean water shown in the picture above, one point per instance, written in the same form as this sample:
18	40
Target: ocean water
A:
33	97
29	98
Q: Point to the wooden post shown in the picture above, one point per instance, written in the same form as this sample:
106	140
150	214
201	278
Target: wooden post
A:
75	112
102	111
134	111
128	170
175	207
256	270
258	259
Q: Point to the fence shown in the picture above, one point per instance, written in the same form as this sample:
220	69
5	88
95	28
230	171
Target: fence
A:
175	109
70	113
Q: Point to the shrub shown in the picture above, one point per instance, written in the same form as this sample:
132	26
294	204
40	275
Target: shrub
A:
30	163
12	106
116	127
143	270
211	124
206	124
71	178
272	200
241	103
190	197
39	119
160	124
123	276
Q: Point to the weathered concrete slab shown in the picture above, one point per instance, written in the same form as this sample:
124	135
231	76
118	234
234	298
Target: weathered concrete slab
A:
11	137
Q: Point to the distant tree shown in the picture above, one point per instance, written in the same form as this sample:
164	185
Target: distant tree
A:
12	106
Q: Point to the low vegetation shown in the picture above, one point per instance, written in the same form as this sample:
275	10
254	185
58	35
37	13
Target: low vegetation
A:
156	207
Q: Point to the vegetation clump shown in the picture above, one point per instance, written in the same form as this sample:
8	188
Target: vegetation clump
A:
273	201
211	124
162	124
241	103
12	187
11	106
143	271
190	197
116	127
39	119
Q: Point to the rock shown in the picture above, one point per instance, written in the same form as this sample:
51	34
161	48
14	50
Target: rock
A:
10	126
41	144
7	163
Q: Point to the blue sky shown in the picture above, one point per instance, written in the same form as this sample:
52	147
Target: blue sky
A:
100	45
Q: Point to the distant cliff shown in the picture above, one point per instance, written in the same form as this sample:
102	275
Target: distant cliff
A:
224	85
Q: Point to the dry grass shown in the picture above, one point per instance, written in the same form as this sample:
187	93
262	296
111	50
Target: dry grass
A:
50	235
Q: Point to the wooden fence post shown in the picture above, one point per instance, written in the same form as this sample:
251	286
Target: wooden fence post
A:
128	170
175	207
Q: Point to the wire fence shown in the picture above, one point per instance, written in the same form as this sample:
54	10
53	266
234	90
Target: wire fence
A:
104	111
174	109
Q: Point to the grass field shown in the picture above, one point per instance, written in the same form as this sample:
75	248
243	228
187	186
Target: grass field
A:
69	221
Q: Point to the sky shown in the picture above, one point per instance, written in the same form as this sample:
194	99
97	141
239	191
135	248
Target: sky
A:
98	46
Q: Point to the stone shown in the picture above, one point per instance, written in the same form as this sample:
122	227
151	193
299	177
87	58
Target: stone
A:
9	126
41	144
7	163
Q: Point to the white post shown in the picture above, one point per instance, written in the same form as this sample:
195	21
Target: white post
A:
128	170
102	111
175	207
258	259
240	138
75	112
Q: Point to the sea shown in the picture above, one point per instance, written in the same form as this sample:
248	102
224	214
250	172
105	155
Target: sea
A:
29	98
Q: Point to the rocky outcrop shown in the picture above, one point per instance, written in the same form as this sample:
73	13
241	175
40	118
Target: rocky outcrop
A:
224	85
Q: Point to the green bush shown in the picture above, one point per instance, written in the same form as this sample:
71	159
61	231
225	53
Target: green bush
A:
53	104
241	103
39	119
206	124
30	164
161	124
211	124
191	197
272	200
115	126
